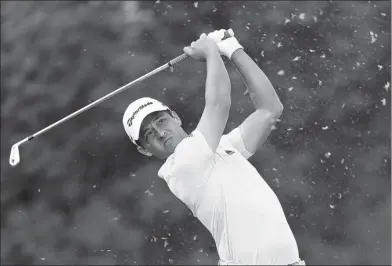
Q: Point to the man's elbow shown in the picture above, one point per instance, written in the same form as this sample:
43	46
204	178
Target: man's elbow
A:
276	110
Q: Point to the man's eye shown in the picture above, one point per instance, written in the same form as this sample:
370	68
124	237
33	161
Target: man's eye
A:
147	135
161	120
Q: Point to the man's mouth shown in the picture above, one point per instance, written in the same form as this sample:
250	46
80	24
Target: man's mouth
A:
167	141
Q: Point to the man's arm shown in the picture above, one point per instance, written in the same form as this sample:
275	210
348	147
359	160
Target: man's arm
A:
218	88
257	126
217	100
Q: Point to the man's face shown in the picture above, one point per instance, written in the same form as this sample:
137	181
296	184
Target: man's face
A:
160	133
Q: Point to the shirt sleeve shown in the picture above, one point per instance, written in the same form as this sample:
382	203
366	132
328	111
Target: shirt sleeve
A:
235	138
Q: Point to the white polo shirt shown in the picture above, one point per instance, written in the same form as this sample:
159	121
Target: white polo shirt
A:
227	194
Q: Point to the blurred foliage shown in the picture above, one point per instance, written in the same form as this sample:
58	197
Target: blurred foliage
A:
82	194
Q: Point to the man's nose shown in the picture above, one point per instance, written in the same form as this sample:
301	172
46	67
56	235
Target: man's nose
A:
160	132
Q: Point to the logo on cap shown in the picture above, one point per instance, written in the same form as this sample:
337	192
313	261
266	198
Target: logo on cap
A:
129	122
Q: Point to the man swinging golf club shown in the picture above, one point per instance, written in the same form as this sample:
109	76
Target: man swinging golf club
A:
209	171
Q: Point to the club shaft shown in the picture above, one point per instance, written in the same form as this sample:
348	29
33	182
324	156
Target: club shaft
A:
104	98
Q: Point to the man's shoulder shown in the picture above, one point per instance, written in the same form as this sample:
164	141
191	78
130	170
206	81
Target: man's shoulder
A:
192	152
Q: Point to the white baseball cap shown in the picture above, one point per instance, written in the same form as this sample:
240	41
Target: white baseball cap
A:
136	112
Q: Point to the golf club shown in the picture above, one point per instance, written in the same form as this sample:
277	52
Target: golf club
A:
15	156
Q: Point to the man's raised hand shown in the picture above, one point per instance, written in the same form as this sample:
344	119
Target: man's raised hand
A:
202	48
226	46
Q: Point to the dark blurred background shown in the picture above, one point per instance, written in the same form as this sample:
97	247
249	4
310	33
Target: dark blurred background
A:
83	195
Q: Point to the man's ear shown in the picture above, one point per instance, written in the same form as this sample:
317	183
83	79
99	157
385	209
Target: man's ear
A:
176	117
144	151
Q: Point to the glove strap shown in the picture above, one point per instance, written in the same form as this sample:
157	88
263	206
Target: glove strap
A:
234	46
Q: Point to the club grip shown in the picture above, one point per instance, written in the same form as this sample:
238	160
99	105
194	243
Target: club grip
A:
177	59
228	33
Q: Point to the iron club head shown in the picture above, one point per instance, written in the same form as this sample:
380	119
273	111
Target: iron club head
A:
14	156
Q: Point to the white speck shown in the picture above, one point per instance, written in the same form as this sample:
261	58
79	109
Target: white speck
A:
279	44
286	21
380	67
340	195
324	128
84	50
196	4
281	72
343	105
373	36
154	239
384	102
302	16
247	27
262	53
94	186
132	174
327	155
148	192
322	56
43	258
342	161
387	86
170	260
383	14
39	190
115	219
315	18
201	250
289	129
320	82
296	58
166	211
311	50
358	64
157	2
332	206
290	89
195	237
294	78
165	244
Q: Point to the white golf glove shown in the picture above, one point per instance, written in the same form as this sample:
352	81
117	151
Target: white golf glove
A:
227	46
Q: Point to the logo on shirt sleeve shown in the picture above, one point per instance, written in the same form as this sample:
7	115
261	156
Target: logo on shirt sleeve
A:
229	152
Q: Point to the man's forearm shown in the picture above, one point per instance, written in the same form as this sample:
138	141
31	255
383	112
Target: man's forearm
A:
260	88
218	86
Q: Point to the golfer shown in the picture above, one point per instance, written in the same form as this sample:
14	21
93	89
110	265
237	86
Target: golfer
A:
209	171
